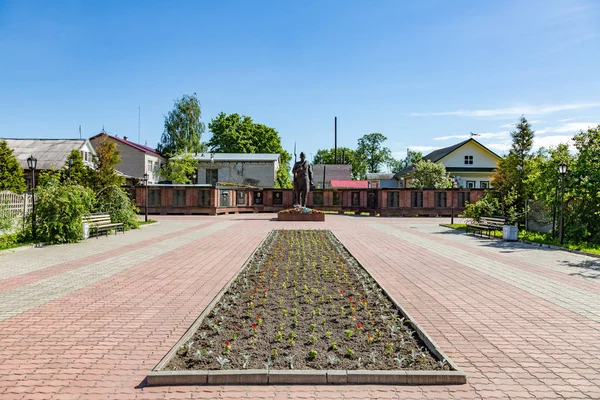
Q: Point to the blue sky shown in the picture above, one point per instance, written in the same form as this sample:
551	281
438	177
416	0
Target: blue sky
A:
423	73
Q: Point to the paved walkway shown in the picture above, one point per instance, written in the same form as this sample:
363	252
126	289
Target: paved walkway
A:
89	320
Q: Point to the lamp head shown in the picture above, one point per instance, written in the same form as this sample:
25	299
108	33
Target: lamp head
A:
32	162
562	168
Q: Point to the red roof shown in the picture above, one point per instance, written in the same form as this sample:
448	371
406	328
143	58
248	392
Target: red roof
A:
137	146
350	184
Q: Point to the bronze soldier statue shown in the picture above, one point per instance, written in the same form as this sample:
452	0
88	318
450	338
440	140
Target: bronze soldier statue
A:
303	180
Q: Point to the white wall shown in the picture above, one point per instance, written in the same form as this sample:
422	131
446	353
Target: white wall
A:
481	157
261	174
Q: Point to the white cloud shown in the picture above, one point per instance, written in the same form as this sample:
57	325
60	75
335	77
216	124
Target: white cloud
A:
551	141
509	112
541	131
573	127
499	147
513	124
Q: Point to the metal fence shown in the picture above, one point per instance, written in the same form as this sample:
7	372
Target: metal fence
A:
538	216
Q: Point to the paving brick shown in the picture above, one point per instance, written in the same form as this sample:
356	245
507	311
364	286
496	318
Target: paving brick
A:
90	320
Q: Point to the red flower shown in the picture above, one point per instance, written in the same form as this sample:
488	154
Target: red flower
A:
254	326
227	343
350	299
359	325
341	291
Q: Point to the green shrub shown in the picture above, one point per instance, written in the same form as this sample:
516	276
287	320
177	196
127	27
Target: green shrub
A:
116	202
58	211
486	206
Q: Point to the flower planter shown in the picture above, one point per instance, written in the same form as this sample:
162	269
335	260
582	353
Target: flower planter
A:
300	217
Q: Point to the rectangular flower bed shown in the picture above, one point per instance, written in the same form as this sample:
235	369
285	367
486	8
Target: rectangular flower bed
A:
303	310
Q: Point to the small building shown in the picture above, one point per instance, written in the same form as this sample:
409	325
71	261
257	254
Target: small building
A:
470	164
50	153
259	169
323	174
382	180
136	159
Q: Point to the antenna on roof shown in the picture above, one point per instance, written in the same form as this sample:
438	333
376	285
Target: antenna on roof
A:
475	134
79	131
139	118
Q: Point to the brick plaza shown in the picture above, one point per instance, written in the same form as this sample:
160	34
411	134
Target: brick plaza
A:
89	320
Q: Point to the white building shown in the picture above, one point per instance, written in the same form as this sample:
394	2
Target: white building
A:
136	159
470	163
258	170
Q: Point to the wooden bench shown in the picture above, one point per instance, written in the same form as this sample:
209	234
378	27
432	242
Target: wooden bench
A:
101	223
486	224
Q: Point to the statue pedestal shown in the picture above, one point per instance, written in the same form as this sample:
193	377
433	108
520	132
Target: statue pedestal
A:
300	217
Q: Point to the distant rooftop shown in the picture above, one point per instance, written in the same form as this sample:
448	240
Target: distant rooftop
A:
349	184
127	142
261	157
379	176
50	153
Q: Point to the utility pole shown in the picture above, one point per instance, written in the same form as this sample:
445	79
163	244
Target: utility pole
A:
335	141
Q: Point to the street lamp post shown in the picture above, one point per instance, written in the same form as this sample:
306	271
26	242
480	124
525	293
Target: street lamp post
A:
562	170
146	198
32	164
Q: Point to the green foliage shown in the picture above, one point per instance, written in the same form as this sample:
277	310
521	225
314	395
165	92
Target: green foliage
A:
583	189
180	168
430	175
11	173
239	134
412	157
105	174
49	175
183	128
78	172
326	156
514	169
488	205
114	200
370	149
58	209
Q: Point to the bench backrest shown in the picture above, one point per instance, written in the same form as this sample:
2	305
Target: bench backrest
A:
493	220
97	219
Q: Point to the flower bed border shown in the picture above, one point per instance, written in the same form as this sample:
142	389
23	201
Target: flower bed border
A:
160	377
300	217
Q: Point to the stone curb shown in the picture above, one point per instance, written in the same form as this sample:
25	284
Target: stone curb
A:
305	377
158	377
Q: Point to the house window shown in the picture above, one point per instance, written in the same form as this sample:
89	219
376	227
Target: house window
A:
470	184
355	199
393	199
484	184
440	199
277	197
463	199
132	194
154	198
212	176
240	197
318	198
178	198
416	199
204	198
149	166
468	159
337	199
156	166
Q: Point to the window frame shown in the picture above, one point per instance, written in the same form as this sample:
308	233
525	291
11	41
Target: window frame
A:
468	160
